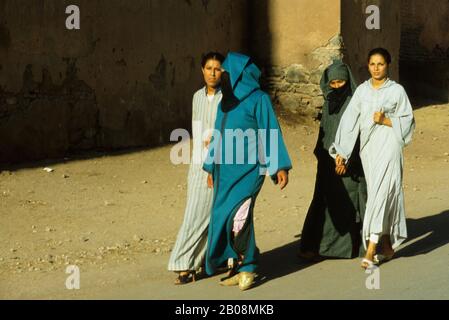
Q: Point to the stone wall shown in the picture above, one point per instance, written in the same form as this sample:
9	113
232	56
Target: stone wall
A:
296	88
294	42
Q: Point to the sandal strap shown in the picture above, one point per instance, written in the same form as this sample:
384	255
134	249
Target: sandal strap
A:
369	262
184	278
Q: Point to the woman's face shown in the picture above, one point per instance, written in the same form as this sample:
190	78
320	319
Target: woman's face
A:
212	73
378	67
335	84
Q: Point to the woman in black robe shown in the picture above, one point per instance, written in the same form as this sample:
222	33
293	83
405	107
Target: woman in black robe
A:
333	224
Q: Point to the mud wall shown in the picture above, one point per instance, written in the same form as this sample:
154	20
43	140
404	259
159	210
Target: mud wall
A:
294	41
424	55
358	40
125	79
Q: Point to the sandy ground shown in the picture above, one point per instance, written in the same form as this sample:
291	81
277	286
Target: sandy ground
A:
116	217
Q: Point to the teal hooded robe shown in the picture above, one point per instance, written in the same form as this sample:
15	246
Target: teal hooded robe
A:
237	179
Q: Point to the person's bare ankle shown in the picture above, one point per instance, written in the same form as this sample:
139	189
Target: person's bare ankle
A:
370	253
370	256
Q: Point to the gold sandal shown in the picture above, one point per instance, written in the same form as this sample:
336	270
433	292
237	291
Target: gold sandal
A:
246	280
231	281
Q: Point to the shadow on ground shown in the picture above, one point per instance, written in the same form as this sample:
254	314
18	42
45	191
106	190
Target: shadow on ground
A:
433	231
280	262
436	228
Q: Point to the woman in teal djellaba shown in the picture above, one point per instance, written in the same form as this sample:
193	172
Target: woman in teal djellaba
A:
247	145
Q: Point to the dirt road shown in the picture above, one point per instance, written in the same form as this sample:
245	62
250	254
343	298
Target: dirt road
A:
116	218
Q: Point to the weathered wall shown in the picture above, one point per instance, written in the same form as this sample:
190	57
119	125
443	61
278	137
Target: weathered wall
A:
294	41
358	40
125	79
424	65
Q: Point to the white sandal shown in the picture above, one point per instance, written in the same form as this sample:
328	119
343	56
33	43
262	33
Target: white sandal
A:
369	263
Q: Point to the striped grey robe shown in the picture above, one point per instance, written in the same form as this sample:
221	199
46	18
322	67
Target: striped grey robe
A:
190	247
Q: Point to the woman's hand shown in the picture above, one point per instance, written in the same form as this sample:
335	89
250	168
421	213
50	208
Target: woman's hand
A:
340	170
282	178
340	165
210	181
379	117
339	161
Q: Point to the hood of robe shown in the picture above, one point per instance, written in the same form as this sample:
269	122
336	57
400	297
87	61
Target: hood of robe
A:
388	83
338	70
243	73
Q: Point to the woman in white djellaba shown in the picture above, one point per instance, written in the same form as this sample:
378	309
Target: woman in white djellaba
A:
381	113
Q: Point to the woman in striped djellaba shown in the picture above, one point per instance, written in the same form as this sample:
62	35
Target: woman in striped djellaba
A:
188	253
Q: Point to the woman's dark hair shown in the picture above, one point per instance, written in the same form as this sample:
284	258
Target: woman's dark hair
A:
211	56
381	51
